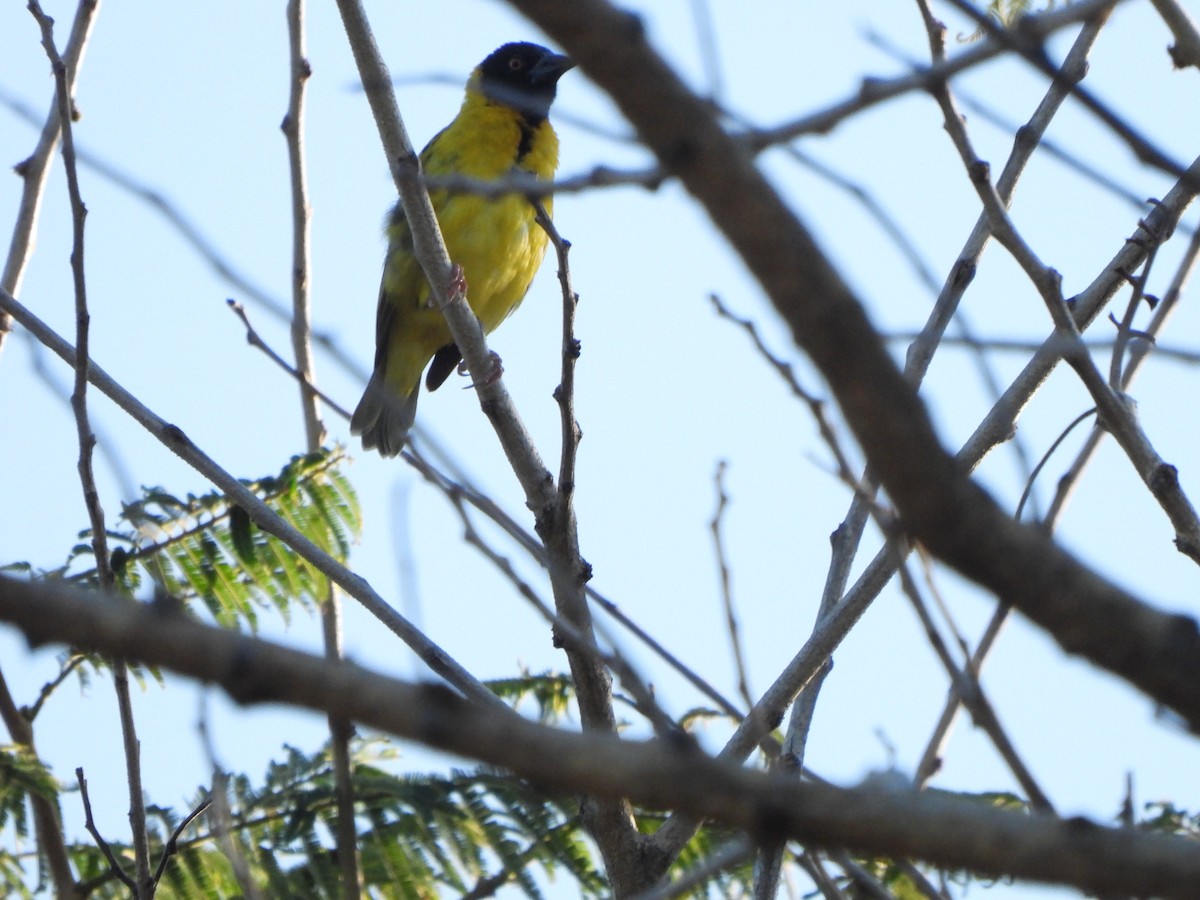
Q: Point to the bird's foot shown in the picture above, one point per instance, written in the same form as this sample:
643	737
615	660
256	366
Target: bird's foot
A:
495	370
457	285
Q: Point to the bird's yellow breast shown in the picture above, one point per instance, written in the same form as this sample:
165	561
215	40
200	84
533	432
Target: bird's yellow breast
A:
497	242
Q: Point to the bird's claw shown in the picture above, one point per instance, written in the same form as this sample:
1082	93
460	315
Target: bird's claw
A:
495	370
457	285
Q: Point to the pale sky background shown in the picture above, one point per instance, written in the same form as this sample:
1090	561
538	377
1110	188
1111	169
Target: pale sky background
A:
188	99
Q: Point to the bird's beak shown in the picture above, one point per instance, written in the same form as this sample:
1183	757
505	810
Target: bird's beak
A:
550	68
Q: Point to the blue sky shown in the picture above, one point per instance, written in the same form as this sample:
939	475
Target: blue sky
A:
188	99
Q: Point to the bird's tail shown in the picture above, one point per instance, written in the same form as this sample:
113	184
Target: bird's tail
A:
383	417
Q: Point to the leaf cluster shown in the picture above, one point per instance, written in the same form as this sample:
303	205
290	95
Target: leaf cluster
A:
204	550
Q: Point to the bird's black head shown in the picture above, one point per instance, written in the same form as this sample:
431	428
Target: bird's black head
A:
523	76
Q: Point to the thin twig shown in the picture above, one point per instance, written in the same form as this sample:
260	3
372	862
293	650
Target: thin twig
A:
340	730
74	662
526	185
87	441
815	405
172	845
572	638
706	39
1143	344
1079	419
462	489
973	698
254	340
1125	331
90	823
731	623
734	853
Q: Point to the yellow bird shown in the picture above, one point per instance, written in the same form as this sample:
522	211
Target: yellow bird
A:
501	129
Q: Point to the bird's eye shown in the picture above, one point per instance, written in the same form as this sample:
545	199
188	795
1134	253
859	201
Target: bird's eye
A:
516	64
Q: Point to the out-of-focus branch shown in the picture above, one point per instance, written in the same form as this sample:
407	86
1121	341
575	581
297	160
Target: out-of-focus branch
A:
878	90
293	130
1024	347
945	830
33	171
51	843
340	729
1186	49
1031	48
726	584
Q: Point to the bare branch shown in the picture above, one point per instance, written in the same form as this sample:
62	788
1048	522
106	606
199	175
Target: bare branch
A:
293	130
1116	412
114	864
734	853
33	171
970	692
340	730
731	623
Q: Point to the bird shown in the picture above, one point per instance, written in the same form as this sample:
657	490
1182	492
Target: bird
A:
502	129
